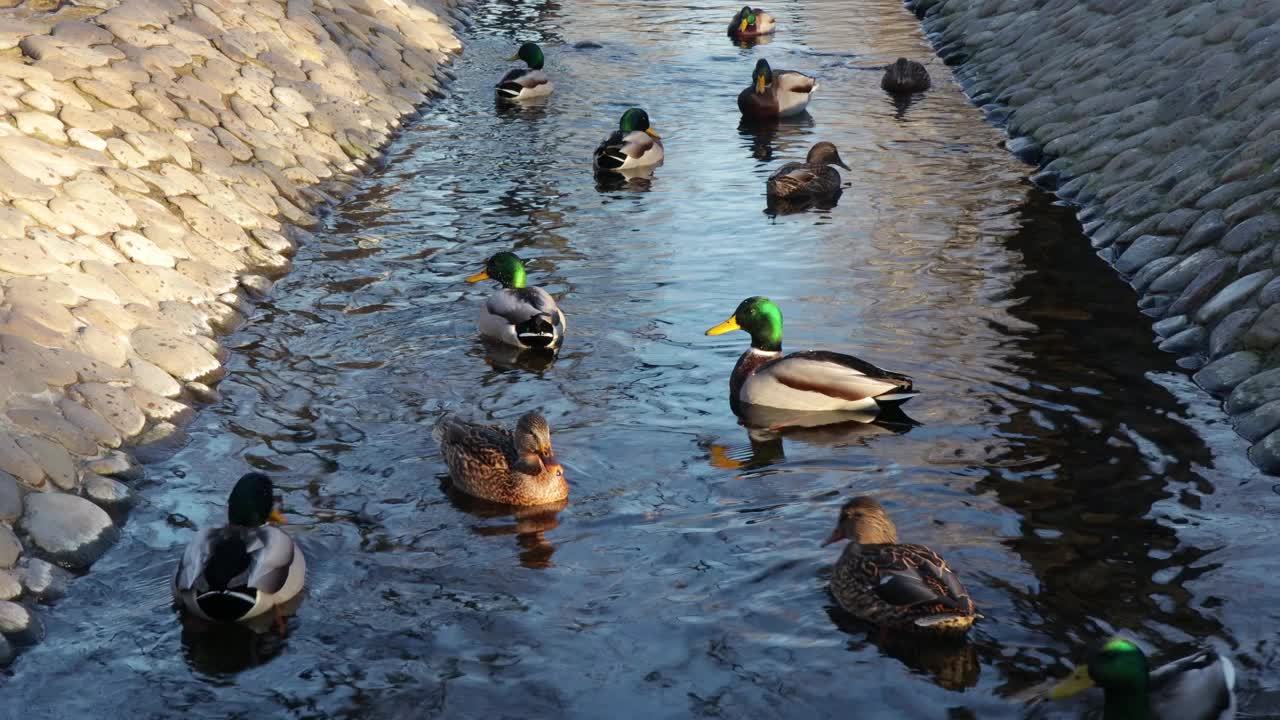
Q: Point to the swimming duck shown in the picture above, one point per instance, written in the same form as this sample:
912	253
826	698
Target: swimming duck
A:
902	587
526	317
633	145
813	380
775	93
1197	687
749	23
905	76
526	82
495	464
240	571
811	178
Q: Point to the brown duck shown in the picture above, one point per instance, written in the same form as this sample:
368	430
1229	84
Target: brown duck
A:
904	77
812	178
898	587
499	465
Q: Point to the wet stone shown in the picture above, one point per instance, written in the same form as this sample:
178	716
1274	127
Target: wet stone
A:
1186	342
1251	233
1232	296
1259	422
1205	284
10	589
1228	335
69	529
18	625
1207	230
1152	270
45	581
1227	372
107	492
1254	392
10	547
1170	325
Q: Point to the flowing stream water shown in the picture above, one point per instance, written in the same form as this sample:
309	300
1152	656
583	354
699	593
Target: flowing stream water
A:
1071	473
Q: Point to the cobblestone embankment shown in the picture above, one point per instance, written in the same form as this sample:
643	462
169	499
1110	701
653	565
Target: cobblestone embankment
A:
159	160
1162	120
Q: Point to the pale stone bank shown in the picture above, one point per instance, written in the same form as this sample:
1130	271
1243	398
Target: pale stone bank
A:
1162	120
159	161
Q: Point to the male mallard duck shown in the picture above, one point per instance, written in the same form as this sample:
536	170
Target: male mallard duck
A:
775	93
813	380
492	463
1197	687
905	76
526	317
812	178
902	587
241	571
749	23
634	144
523	83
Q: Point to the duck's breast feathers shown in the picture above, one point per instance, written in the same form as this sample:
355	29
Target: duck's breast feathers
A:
622	151
1197	687
524	82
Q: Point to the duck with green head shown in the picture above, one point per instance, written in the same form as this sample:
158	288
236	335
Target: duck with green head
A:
775	94
518	315
635	144
1197	687
750	22
240	571
499	465
526	82
812	380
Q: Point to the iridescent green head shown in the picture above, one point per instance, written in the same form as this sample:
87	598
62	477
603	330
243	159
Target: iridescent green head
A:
252	502
531	54
634	120
759	317
762	75
1119	667
504	267
746	18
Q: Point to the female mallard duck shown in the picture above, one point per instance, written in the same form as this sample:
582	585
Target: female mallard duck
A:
904	77
813	380
633	145
750	23
900	587
241	571
812	178
495	464
526	317
775	93
1197	687
526	82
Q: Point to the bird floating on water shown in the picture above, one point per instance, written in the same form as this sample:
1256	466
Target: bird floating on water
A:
635	144
904	77
526	82
775	93
525	317
750	23
812	178
492	463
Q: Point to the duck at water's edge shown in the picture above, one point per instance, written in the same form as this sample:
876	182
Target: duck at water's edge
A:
524	317
813	380
526	82
775	94
812	178
896	587
239	572
499	465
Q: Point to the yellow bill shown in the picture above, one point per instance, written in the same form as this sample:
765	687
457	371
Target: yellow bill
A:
513	58
277	517
1074	685
742	26
760	84
727	326
482	275
653	133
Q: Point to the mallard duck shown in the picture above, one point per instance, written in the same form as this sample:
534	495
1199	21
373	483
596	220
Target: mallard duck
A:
525	317
241	571
775	93
526	82
902	587
813	380
1197	687
633	145
905	76
749	23
812	178
492	463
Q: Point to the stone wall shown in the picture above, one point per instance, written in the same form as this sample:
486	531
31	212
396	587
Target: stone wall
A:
1162	120
158	161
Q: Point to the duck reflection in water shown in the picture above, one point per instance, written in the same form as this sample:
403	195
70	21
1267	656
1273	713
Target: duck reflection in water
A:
529	523
763	136
950	663
228	648
638	179
767	427
503	357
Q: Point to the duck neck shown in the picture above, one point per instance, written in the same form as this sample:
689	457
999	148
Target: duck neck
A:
750	361
1128	704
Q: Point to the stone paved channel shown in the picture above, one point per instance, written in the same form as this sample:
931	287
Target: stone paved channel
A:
1161	120
159	160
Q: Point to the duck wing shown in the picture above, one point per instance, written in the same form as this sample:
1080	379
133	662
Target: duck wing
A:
619	148
519	306
799	178
913	576
792	81
1196	687
835	375
518	80
271	554
484	444
194	559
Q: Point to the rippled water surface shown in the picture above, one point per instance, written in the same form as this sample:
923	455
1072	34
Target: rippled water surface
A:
1071	473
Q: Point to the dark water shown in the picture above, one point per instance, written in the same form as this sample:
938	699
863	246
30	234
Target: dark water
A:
1071	473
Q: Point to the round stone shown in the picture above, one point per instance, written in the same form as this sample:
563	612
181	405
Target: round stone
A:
18	624
71	530
178	356
10	547
10	586
45	581
10	498
107	492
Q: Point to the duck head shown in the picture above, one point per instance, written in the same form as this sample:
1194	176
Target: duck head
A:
634	120
863	521
533	442
252	502
825	153
762	76
531	54
503	267
760	318
1119	667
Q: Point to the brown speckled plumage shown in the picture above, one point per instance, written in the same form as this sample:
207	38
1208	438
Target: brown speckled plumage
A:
900	587
496	464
